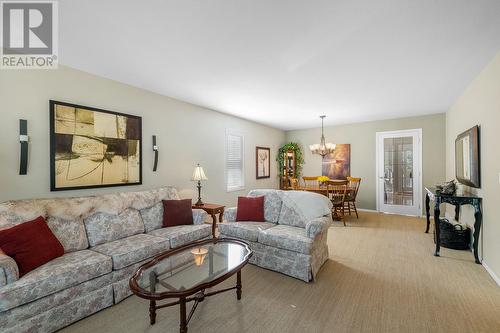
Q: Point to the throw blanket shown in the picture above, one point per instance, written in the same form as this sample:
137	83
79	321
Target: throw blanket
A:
309	205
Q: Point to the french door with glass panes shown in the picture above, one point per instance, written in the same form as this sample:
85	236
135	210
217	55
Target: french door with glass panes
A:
399	172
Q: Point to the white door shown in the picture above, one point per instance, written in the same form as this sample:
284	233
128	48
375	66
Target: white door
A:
399	172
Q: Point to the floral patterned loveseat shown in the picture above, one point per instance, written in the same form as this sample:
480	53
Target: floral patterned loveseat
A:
293	240
105	239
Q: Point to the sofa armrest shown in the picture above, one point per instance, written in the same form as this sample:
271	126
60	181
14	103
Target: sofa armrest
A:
9	272
318	226
230	214
199	216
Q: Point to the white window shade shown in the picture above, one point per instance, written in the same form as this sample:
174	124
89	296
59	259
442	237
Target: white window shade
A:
235	175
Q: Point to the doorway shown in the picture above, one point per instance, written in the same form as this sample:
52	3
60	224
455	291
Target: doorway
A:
399	172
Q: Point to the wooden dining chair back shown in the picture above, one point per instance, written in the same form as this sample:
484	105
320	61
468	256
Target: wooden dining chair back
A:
352	193
337	192
310	181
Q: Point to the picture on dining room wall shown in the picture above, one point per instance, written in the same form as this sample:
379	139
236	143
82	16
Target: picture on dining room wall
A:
337	165
263	162
92	148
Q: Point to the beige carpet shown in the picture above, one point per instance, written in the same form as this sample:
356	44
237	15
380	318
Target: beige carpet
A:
381	277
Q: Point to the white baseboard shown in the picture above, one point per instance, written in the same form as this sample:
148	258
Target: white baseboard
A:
493	275
367	210
376	211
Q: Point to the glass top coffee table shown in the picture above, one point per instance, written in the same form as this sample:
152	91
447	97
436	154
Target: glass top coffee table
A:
186	272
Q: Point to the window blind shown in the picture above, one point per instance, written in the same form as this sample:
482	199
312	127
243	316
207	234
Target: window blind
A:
235	179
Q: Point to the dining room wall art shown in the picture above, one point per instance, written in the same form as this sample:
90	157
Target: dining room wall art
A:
92	148
337	165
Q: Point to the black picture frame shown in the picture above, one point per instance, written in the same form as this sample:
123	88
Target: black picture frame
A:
52	127
266	173
474	154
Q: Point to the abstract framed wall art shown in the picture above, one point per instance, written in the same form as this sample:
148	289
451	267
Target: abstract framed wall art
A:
337	165
262	162
91	148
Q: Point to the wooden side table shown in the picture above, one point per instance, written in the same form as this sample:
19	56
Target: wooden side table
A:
212	210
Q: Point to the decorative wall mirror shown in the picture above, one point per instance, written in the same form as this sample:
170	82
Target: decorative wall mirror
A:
467	158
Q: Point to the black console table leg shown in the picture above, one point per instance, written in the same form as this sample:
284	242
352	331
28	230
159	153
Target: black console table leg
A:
457	213
437	214
478	215
427	212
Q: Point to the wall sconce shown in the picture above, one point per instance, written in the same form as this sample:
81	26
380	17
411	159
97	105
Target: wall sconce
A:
23	139
155	149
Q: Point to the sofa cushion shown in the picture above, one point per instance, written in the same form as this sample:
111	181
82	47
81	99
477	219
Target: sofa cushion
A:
69	270
183	234
250	209
30	244
27	311
71	233
199	216
244	230
9	272
128	251
287	238
152	217
272	203
102	227
177	212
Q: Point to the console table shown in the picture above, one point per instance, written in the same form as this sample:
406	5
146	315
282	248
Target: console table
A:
457	200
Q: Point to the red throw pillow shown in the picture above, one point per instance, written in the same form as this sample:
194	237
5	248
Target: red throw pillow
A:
177	212
250	209
30	244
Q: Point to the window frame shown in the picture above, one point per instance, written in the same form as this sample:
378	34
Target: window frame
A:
230	132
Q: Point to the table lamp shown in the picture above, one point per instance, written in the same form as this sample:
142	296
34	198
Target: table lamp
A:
199	175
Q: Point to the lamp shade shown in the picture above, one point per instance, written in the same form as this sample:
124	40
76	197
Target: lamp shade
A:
198	174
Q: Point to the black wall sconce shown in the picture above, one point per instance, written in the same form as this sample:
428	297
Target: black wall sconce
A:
155	149
23	139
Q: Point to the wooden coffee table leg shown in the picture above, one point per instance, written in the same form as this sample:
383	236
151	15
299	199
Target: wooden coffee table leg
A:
152	304
221	215
183	323
238	285
152	312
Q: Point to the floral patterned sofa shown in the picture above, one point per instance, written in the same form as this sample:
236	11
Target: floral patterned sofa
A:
293	240
105	239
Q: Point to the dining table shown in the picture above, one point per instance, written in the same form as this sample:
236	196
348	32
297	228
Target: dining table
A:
321	189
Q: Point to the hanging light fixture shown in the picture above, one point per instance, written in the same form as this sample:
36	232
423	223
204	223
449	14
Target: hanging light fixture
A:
322	148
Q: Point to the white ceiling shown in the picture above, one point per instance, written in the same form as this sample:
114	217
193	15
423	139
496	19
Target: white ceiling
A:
283	63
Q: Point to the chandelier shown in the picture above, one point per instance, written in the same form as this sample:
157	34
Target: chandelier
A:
322	148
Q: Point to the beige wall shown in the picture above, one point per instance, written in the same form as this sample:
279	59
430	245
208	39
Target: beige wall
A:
186	134
361	136
480	105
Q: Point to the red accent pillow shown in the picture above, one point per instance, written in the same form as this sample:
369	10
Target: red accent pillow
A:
30	244
250	209
177	212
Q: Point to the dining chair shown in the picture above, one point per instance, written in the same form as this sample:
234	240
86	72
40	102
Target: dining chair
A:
310	181
337	191
352	193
